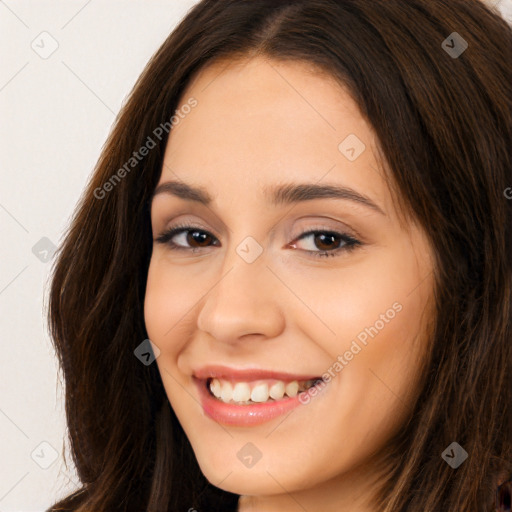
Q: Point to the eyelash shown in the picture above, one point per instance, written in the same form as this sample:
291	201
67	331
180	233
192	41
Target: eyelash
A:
350	242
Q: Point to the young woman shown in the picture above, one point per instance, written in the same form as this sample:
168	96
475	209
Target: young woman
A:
287	286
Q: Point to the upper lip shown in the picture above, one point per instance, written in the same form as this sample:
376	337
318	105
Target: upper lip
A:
247	374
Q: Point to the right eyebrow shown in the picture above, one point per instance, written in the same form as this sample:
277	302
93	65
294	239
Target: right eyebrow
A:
183	191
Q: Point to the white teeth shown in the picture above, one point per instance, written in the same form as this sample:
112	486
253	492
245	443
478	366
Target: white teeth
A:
245	392
227	392
241	392
259	393
292	388
215	387
276	391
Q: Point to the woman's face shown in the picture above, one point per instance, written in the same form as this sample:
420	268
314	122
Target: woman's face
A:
280	281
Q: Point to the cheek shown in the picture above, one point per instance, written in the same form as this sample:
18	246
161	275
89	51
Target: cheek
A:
156	307
168	302
376	314
379	297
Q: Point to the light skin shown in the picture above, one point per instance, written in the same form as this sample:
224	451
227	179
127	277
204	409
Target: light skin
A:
260	123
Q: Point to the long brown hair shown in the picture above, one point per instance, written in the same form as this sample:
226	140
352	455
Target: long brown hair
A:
444	127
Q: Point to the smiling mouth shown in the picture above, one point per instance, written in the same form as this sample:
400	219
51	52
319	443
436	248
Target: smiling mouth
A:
257	392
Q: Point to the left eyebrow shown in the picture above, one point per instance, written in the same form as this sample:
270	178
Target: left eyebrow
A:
293	193
287	193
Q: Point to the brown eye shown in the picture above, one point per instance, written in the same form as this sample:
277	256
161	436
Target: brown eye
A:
201	238
187	237
327	243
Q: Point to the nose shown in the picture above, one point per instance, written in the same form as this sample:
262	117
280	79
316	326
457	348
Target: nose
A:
243	303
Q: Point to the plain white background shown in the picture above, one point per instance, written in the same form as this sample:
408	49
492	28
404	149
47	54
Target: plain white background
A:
56	112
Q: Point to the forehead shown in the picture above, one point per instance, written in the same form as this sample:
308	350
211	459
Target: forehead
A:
260	122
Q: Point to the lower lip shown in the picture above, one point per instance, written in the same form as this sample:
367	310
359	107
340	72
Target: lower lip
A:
243	415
